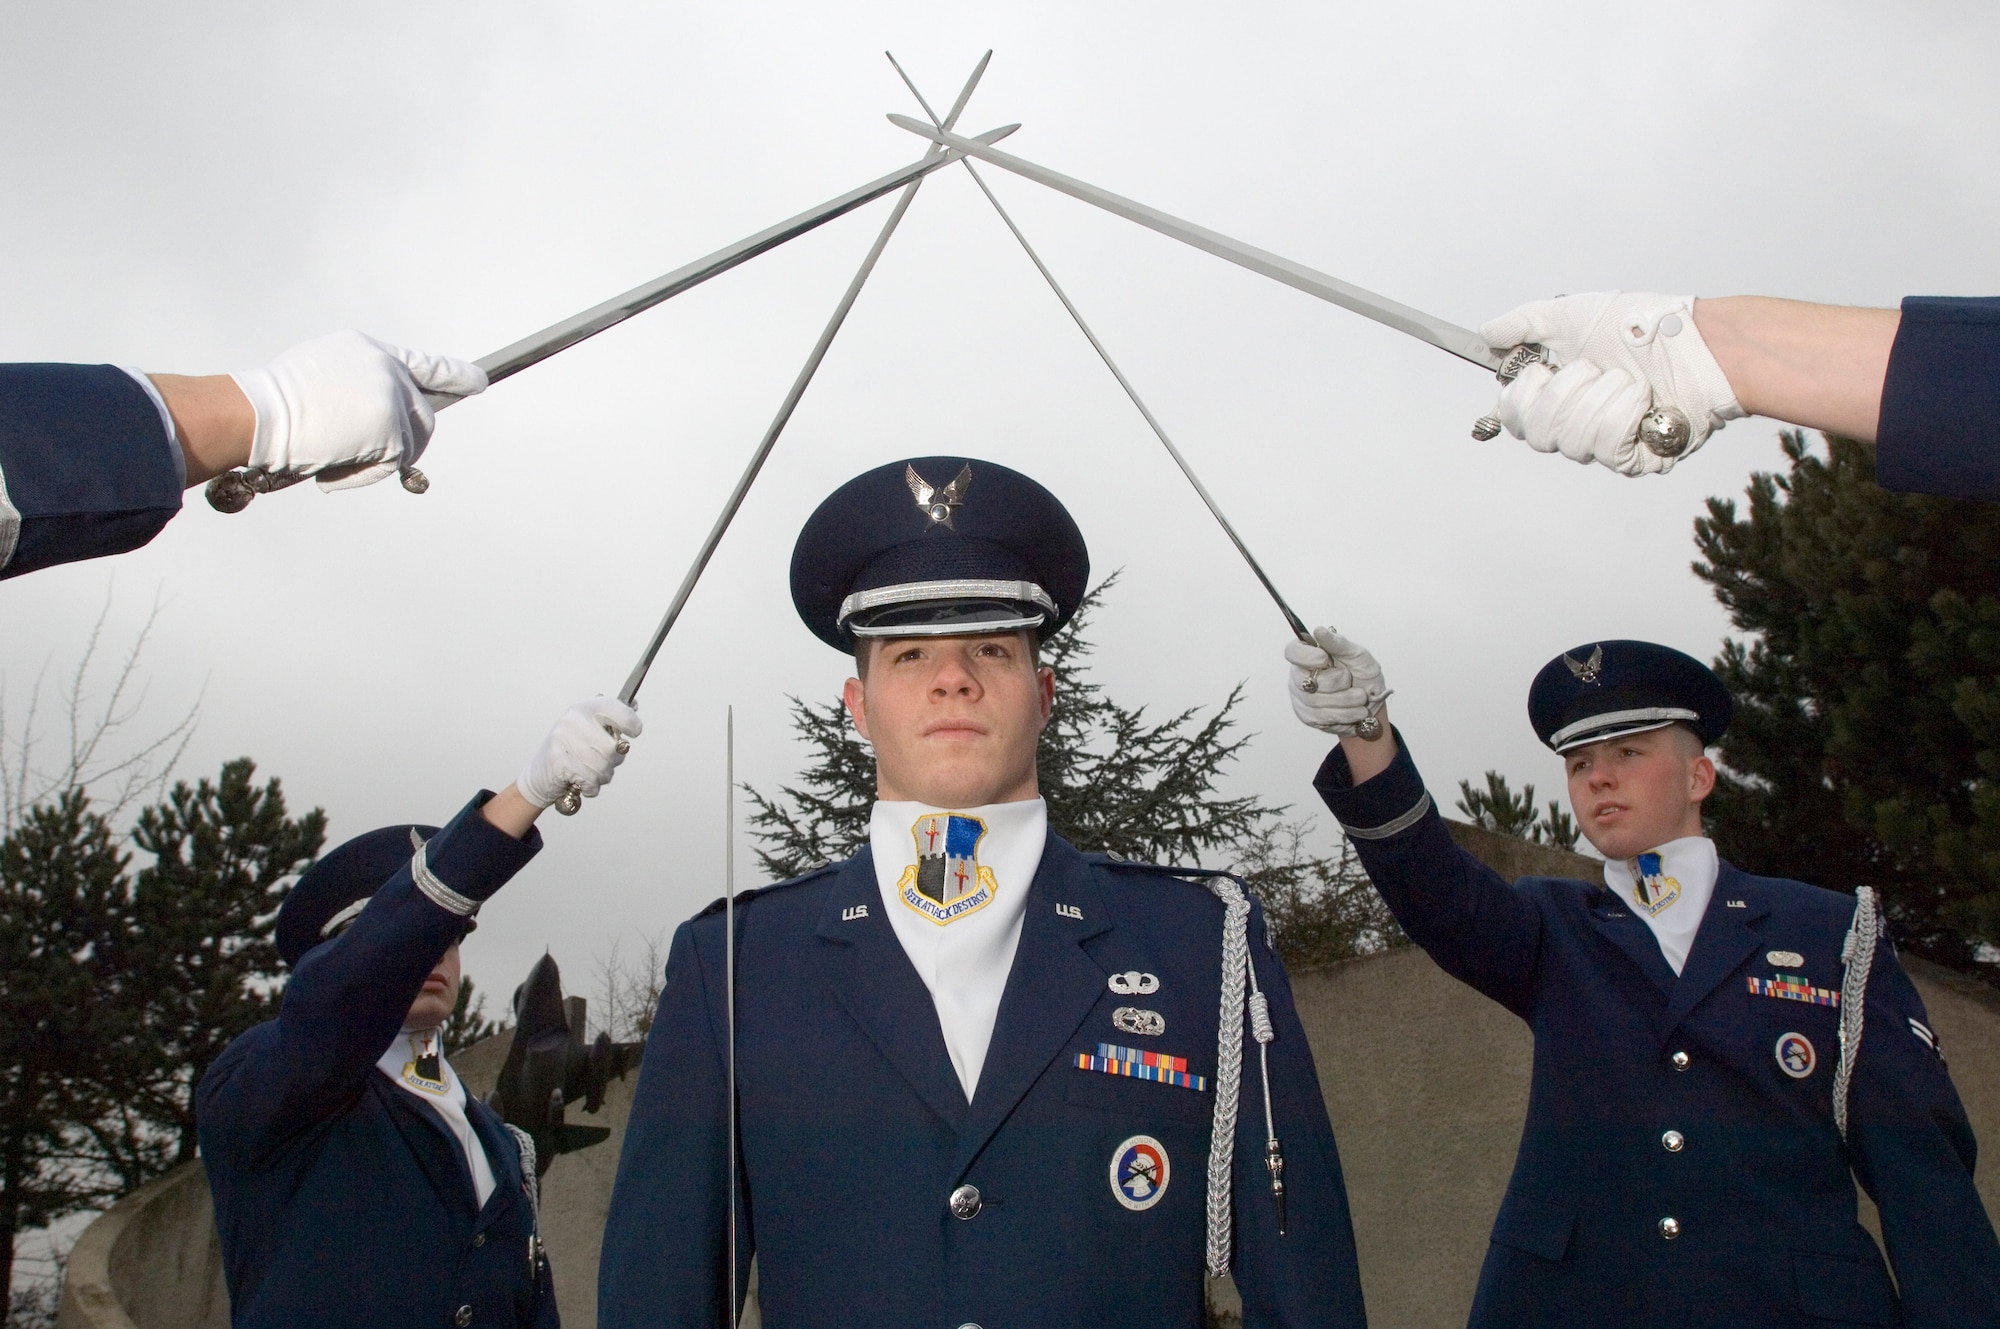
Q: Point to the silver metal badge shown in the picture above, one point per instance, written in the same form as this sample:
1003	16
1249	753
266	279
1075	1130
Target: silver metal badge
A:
938	503
1795	1054
1135	1021
1132	983
1140	1172
1587	670
1785	959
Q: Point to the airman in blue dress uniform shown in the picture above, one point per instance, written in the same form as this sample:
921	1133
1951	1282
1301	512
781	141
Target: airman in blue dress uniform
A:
357	1184
93	458
1715	1053
981	1078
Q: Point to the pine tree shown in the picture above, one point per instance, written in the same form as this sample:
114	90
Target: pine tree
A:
1114	780
201	959
467	1024
1498	808
1866	743
62	909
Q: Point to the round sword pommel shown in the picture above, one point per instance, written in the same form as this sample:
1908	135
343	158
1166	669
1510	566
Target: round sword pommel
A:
1665	432
571	802
415	481
229	492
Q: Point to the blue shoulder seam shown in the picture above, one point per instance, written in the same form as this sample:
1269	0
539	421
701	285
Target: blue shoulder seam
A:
743	897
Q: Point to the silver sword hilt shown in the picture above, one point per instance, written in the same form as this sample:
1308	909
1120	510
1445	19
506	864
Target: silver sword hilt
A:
571	801
232	490
1663	431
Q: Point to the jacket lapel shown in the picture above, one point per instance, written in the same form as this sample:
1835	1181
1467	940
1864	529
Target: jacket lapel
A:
1617	923
1727	937
1051	989
431	1141
875	982
503	1156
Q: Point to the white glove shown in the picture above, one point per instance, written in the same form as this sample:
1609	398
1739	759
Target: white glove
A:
1346	683
348	408
1617	354
581	752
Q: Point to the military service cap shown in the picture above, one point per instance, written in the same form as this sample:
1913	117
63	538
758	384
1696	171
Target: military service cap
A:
937	547
332	892
1612	688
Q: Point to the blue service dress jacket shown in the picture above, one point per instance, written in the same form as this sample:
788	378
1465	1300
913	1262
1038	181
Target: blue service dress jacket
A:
1659	1098
855	1131
87	466
1940	424
342	1201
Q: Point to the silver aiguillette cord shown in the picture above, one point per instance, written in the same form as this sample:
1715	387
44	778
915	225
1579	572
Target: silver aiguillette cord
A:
1292	620
729	971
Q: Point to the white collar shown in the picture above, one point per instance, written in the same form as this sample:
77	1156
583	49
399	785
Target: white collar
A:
955	901
1669	887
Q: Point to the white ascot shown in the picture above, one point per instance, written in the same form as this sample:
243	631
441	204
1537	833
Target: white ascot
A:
1670	888
402	1063
954	883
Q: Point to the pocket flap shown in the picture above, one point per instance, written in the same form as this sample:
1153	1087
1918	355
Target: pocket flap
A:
1123	1094
1536	1226
1855	1291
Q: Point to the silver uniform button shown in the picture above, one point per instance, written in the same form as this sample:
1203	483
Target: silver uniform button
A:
1674	1141
1680	1061
968	1325
463	1318
1670	1228
965	1202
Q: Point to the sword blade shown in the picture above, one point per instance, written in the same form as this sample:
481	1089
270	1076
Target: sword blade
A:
630	692
533	349
1461	342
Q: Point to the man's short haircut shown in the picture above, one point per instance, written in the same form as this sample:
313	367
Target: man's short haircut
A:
864	649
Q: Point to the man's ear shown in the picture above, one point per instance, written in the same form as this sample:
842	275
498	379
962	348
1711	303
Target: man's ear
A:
1701	778
855	694
1045	684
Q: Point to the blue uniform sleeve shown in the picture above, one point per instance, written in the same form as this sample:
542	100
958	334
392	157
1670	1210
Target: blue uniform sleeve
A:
1309	1276
1913	1149
1940	426
86	466
1472	921
348	998
665	1259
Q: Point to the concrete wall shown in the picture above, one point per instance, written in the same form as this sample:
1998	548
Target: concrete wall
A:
1426	1082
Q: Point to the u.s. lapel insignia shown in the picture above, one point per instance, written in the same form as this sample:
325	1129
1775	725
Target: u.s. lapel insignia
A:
425	1070
1132	1020
1132	983
1795	1054
947	882
1140	1172
1651	886
852	912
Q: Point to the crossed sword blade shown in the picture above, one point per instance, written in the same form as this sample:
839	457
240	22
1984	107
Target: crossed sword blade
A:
571	801
233	490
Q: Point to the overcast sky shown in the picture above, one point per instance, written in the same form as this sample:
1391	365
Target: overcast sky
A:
195	187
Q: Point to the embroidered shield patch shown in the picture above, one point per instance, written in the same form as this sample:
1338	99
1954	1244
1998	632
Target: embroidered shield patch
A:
947	882
1652	888
1140	1172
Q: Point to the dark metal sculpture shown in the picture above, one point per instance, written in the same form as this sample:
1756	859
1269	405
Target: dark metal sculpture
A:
550	1067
